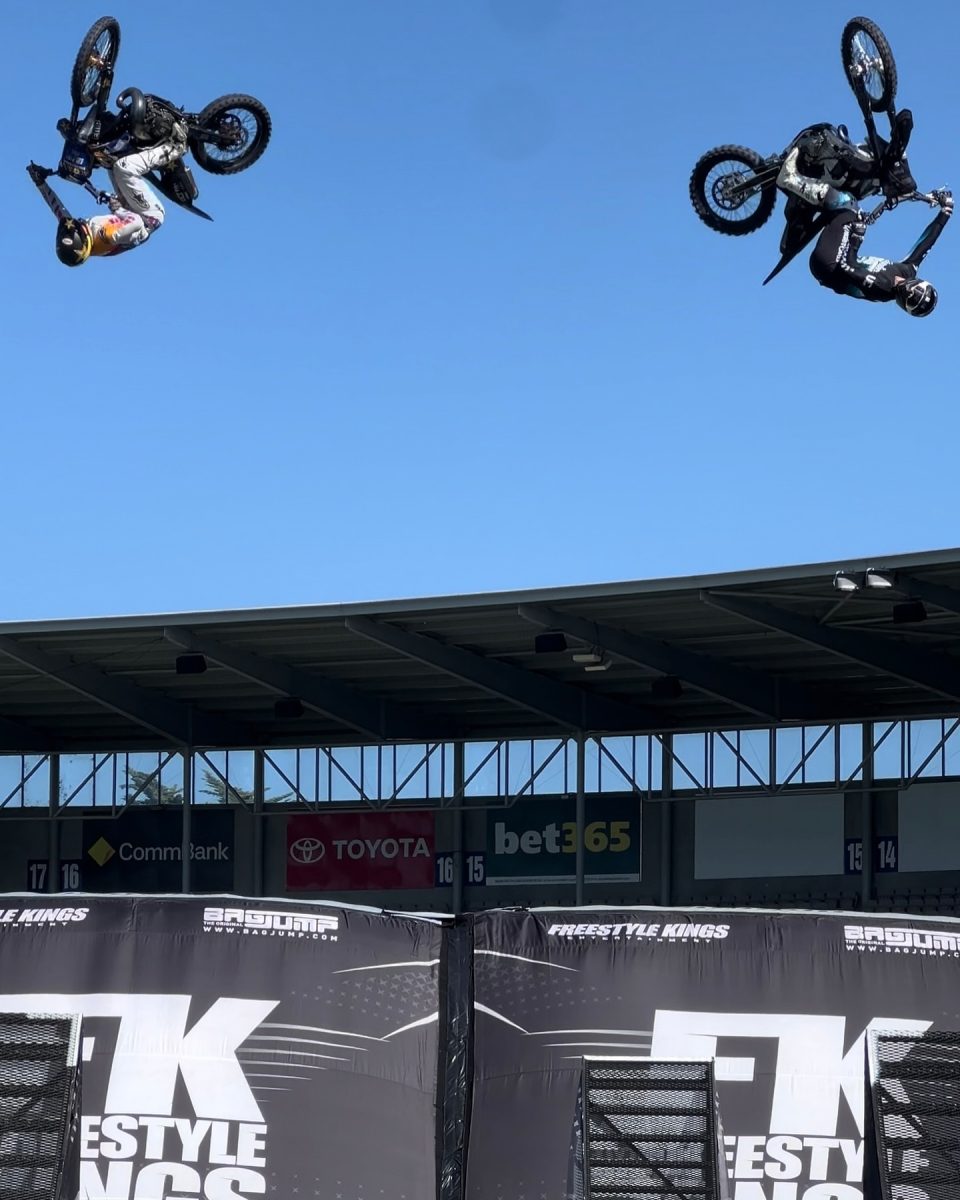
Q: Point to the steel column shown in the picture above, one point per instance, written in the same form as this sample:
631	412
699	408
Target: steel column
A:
185	839
258	819
581	742
53	834
867	822
459	759
666	822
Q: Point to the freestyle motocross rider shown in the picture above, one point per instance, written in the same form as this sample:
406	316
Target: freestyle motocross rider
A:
145	136
835	262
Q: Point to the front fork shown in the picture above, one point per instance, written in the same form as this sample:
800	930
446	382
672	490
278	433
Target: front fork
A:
870	121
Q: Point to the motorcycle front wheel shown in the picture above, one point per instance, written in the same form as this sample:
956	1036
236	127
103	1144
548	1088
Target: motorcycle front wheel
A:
869	64
727	194
95	61
233	132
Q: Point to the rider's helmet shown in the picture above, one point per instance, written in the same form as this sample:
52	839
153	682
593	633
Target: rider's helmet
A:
74	242
917	297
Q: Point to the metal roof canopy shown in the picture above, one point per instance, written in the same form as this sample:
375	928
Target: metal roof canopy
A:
741	650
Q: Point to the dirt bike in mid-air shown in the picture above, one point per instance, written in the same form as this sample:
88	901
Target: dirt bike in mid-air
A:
227	136
734	189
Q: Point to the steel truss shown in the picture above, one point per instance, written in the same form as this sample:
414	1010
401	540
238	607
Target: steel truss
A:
478	775
460	776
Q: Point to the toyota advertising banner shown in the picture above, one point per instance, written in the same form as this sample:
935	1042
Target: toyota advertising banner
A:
782	1001
535	841
236	1049
358	851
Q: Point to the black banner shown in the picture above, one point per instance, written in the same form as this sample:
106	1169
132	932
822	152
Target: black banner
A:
236	1049
782	1001
140	851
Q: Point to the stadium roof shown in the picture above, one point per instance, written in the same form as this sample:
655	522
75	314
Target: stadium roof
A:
726	651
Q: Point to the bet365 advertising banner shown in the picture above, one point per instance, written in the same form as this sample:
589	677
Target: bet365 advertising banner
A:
535	841
782	1001
238	1049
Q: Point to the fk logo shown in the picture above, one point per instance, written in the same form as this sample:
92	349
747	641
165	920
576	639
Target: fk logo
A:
811	1072
154	1048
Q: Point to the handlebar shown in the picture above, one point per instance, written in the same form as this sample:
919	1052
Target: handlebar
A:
890	202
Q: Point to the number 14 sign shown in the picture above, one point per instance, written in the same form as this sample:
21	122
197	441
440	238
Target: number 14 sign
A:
885	857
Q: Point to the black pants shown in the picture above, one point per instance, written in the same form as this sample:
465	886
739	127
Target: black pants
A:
834	263
834	260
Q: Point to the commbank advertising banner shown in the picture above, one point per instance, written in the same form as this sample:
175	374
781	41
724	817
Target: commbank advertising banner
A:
140	851
535	841
783	1001
236	1049
354	851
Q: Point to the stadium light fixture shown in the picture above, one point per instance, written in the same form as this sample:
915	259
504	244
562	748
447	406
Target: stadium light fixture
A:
190	664
603	665
848	581
875	578
592	657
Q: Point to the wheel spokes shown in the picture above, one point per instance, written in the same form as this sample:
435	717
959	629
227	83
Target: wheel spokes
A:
237	128
723	195
869	64
97	62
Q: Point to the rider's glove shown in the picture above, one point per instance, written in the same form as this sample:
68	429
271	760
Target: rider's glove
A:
945	200
114	203
858	231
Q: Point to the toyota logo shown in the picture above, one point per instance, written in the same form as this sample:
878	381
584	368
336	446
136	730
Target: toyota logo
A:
307	850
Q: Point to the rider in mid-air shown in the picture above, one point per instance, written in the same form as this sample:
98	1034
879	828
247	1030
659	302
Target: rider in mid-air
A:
835	261
144	137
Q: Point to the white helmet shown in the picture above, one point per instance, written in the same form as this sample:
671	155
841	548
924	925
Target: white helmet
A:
917	297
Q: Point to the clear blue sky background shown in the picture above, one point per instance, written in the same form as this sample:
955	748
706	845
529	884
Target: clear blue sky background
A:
459	329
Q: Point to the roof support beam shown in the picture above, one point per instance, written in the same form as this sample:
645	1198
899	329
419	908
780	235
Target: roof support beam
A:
172	721
945	598
766	696
561	703
16	738
370	715
933	672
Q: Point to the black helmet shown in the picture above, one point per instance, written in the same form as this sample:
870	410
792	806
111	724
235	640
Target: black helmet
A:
917	297
74	241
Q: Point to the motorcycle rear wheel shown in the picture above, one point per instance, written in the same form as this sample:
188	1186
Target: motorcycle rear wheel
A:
243	125
868	63
718	170
95	60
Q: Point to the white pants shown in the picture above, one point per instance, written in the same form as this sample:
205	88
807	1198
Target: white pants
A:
135	193
140	212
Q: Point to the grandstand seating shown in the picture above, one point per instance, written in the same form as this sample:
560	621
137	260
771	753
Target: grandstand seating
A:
933	901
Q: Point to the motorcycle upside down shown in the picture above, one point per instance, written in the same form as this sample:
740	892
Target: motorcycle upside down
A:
225	137
733	189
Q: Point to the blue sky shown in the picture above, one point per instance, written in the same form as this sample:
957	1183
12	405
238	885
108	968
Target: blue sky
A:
459	329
